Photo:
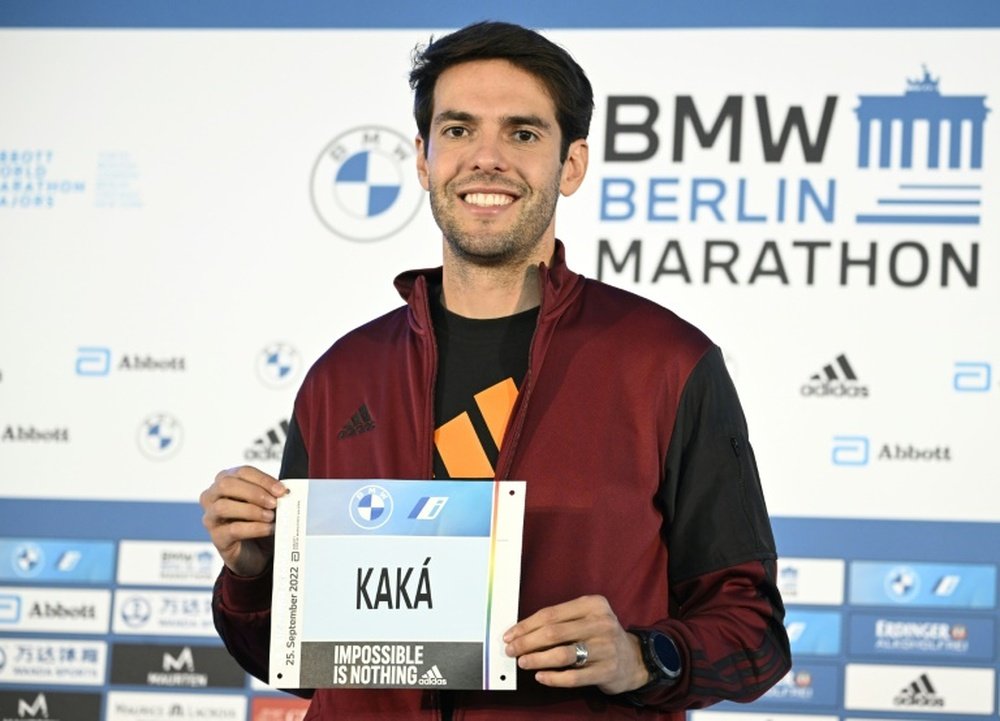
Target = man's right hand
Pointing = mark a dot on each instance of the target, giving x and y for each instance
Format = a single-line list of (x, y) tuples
[(239, 515)]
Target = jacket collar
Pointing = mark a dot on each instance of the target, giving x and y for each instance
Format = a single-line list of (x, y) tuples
[(559, 286)]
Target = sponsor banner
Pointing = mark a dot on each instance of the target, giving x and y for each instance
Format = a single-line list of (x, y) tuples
[(943, 690), (971, 639), (50, 706), (175, 666), (278, 709), (741, 716), (54, 610), (138, 706), (813, 632), (810, 684), (391, 665), (163, 613), (953, 585), (52, 661), (811, 581), (56, 561), (167, 563)]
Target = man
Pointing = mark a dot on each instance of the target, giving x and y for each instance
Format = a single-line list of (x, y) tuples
[(648, 561)]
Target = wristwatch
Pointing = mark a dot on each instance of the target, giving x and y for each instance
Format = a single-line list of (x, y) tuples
[(660, 654)]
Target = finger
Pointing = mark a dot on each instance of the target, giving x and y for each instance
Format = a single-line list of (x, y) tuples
[(561, 612), (571, 678), (232, 534), (255, 476), (557, 657), (227, 510), (551, 636), (239, 489)]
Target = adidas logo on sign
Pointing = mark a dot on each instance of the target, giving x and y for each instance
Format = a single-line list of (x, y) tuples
[(432, 677), (919, 693), (269, 446), (361, 422), (835, 380)]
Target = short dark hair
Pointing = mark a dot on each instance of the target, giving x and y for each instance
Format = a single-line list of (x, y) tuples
[(564, 79)]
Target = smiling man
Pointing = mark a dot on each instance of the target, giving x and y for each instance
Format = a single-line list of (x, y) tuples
[(647, 581)]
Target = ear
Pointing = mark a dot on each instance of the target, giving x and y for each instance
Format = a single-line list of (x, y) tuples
[(575, 166), (422, 170)]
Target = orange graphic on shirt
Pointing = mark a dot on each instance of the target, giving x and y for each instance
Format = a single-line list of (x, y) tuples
[(458, 443)]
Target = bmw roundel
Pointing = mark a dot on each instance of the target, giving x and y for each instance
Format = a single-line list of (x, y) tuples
[(371, 507), (364, 186)]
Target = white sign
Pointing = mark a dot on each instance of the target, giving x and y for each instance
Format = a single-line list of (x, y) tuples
[(55, 610), (167, 563), (919, 689), (396, 584), (163, 613)]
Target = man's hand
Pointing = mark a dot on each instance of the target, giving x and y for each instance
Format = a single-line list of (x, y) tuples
[(239, 515), (547, 640)]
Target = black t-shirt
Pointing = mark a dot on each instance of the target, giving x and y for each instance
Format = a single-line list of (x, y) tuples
[(481, 365)]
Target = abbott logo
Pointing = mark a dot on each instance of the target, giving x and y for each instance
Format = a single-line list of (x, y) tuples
[(850, 451), (93, 361), (972, 377), (39, 708)]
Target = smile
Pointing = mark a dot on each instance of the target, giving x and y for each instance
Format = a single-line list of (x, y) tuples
[(487, 200)]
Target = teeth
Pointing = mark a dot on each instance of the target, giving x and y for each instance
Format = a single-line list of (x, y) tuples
[(488, 199)]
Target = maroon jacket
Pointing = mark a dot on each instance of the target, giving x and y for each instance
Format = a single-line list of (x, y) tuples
[(642, 487)]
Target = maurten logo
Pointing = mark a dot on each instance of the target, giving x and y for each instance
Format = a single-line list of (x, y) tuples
[(371, 507), (363, 184), (39, 708), (920, 692), (835, 380)]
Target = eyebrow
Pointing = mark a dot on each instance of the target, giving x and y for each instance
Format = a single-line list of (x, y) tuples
[(462, 116)]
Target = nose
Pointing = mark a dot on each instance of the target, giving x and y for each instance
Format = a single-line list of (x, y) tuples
[(488, 153)]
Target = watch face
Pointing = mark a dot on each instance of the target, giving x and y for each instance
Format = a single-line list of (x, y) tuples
[(665, 653)]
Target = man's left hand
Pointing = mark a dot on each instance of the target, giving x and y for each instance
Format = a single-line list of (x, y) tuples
[(546, 641)]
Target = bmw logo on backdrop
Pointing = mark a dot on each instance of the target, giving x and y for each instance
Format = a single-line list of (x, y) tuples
[(159, 436), (364, 183)]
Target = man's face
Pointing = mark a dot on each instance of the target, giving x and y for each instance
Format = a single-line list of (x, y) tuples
[(492, 163)]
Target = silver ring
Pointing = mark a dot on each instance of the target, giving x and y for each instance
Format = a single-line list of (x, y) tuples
[(582, 654)]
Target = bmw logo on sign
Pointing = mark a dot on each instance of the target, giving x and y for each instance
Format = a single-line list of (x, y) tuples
[(371, 507), (364, 184)]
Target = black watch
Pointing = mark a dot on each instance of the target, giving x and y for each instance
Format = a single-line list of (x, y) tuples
[(660, 654)]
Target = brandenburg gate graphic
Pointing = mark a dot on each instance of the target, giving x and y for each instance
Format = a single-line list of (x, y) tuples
[(922, 101), (940, 202)]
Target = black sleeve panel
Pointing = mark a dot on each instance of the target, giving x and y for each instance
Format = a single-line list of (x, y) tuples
[(295, 459), (713, 504)]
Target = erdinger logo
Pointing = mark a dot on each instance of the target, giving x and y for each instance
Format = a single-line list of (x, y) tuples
[(364, 186), (159, 436), (371, 507)]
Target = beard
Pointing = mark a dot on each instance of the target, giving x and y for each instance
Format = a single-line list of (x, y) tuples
[(479, 243)]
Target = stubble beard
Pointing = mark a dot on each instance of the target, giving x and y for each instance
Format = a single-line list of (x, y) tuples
[(486, 247)]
